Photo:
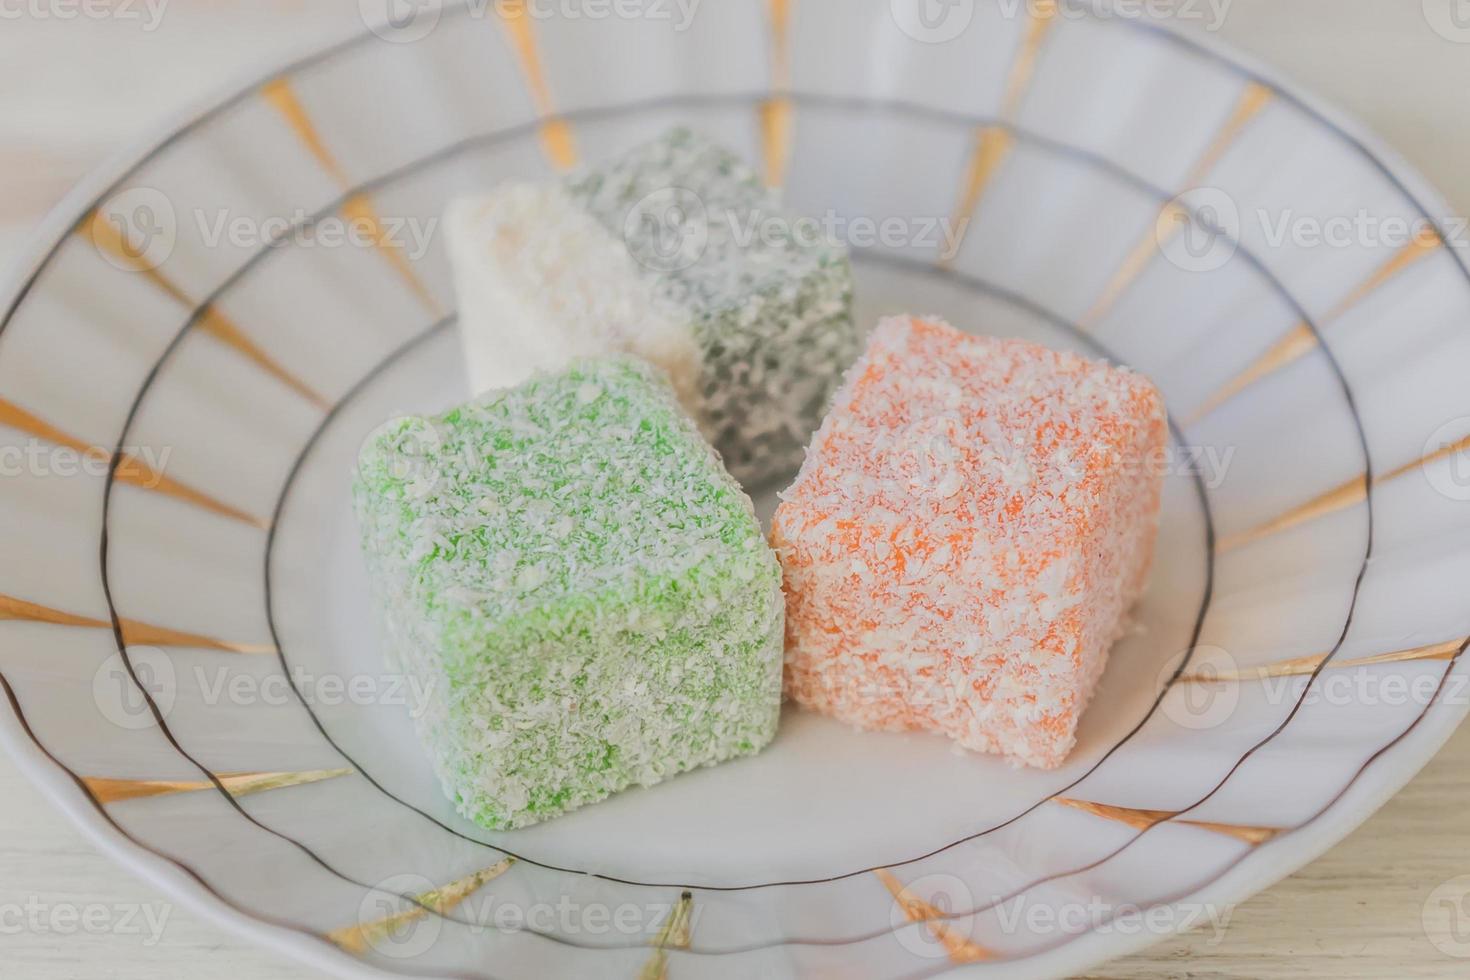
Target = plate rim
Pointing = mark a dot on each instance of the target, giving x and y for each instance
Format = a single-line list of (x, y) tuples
[(1411, 751)]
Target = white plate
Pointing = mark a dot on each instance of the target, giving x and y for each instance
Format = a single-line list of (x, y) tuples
[(213, 564)]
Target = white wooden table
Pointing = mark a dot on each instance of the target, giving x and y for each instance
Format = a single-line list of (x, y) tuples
[(73, 90)]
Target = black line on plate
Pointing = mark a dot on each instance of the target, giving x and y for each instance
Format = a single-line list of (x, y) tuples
[(831, 102), (195, 876), (1152, 29), (394, 357), (1181, 896), (1086, 158), (197, 121), (1003, 294), (1056, 320), (156, 712), (1222, 58), (319, 58)]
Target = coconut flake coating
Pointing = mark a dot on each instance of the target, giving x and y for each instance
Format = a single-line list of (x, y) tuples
[(540, 281), (582, 588), (697, 269), (973, 521)]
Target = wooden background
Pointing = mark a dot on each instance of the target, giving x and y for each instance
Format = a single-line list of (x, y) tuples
[(71, 91)]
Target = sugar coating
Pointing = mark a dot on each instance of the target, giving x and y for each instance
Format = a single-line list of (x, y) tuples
[(746, 307), (973, 521), (582, 588)]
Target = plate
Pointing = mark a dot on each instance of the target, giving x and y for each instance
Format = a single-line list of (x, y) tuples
[(208, 328)]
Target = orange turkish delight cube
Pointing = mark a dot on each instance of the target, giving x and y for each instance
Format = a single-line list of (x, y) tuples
[(974, 520)]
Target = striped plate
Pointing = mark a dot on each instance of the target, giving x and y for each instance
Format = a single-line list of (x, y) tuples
[(208, 329)]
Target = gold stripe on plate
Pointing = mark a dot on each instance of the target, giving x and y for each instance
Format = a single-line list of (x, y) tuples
[(777, 120), (223, 329), (130, 469), (359, 938), (778, 113), (134, 632), (1300, 340), (1042, 17), (280, 95), (1251, 103), (1349, 494), (359, 208), (993, 143), (557, 140), (109, 790), (674, 934), (959, 948), (1304, 666), (108, 238), (1145, 819), (1172, 217)]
